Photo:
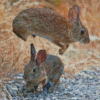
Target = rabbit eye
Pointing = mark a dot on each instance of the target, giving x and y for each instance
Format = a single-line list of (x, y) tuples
[(34, 70), (82, 32)]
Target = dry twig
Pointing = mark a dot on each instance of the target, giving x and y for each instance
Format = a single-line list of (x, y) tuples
[(10, 97)]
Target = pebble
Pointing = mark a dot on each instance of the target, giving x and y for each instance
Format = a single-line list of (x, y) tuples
[(54, 98), (20, 74), (48, 98), (69, 95), (0, 81), (18, 77), (77, 77), (41, 99), (14, 88), (84, 86), (62, 80), (10, 82)]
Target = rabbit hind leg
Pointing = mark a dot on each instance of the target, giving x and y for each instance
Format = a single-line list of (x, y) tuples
[(54, 86)]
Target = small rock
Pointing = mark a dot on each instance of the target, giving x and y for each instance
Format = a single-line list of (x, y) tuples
[(23, 82), (18, 85), (74, 98), (77, 77), (8, 86), (85, 71), (54, 98), (0, 81), (48, 98), (67, 75), (18, 98), (12, 81), (62, 98), (62, 80), (69, 95), (21, 89), (56, 92), (90, 72), (14, 88), (69, 88), (87, 96), (20, 74), (18, 77), (60, 94), (73, 82), (13, 93), (41, 99)]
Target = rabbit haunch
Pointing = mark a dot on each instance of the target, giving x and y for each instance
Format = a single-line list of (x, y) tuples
[(43, 69), (49, 24)]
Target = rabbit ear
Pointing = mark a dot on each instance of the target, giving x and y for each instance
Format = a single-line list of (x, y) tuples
[(33, 52), (41, 56), (73, 13), (76, 8)]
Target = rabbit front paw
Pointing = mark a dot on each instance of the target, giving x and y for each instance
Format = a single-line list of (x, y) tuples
[(31, 88), (61, 51)]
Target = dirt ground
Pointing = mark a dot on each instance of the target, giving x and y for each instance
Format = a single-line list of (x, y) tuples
[(15, 53)]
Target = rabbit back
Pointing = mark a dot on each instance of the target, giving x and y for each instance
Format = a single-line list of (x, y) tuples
[(49, 24), (54, 68), (40, 21)]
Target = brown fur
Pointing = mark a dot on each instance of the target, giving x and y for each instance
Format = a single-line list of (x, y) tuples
[(47, 23), (48, 68)]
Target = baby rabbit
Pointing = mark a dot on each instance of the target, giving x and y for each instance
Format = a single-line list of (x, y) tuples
[(49, 24), (43, 68)]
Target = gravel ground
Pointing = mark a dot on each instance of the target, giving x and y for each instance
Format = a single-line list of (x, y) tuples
[(84, 86)]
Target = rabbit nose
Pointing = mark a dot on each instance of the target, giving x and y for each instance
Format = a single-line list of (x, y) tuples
[(82, 32)]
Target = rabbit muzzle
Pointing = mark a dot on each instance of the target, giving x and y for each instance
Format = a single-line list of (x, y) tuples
[(84, 40)]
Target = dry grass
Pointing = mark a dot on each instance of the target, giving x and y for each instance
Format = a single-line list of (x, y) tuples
[(15, 53)]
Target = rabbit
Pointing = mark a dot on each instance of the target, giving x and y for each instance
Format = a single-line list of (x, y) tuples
[(47, 23), (43, 68)]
